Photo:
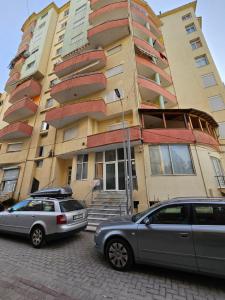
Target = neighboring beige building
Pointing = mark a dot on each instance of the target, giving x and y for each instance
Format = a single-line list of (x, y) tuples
[(61, 118)]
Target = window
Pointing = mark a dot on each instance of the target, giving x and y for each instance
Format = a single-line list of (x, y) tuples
[(49, 102), (209, 80), (44, 126), (48, 206), (219, 172), (82, 166), (190, 28), (9, 180), (114, 71), (111, 96), (34, 205), (39, 163), (222, 130), (175, 214), (35, 50), (81, 8), (14, 147), (53, 82), (61, 37), (216, 103), (58, 51), (187, 17), (209, 214), (69, 134), (201, 61), (78, 24), (69, 175), (70, 205), (21, 206), (66, 13), (77, 40), (171, 160), (30, 65), (63, 25), (41, 25), (99, 165), (117, 126), (40, 151), (114, 50), (196, 43)]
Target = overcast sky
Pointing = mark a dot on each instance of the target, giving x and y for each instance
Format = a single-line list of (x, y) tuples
[(14, 13)]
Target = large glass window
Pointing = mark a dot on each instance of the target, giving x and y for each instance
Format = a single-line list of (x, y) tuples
[(171, 160), (82, 166), (209, 214), (175, 214), (21, 206), (201, 61), (9, 180)]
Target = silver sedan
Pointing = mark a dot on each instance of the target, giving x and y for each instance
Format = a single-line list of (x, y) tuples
[(184, 233)]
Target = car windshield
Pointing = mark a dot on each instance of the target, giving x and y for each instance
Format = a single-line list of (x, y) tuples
[(71, 205), (138, 216)]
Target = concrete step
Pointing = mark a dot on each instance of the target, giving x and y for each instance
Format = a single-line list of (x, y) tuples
[(91, 228), (108, 201), (97, 219), (105, 210), (102, 215), (110, 196)]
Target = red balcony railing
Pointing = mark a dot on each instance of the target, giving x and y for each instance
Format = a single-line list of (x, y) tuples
[(16, 131), (30, 88)]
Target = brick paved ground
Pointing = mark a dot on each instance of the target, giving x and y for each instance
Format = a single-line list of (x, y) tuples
[(71, 269)]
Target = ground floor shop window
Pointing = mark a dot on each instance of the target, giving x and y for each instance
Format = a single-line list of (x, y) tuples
[(82, 166), (171, 160), (9, 180)]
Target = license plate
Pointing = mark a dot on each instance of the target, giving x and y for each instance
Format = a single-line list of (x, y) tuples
[(78, 217)]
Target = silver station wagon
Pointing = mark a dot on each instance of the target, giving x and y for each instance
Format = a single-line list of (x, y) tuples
[(47, 214), (184, 233)]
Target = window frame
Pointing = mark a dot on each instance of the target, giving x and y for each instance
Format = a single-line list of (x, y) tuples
[(193, 214), (189, 26), (196, 42), (201, 58), (82, 163), (187, 16)]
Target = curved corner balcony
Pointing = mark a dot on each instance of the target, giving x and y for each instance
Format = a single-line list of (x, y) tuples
[(148, 69), (142, 18), (150, 91), (29, 88), (146, 48), (78, 86), (20, 110), (16, 131), (63, 116), (112, 137), (110, 12), (97, 4), (10, 84), (107, 33), (95, 59), (144, 33)]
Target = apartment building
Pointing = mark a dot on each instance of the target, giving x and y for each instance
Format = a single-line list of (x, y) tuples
[(62, 120)]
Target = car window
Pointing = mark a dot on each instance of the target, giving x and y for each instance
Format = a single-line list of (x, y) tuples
[(70, 205), (34, 205), (48, 206), (208, 214), (175, 214), (21, 206)]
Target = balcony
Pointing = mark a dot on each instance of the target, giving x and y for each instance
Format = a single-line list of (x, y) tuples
[(10, 84), (63, 116), (148, 69), (110, 12), (147, 49), (16, 131), (94, 59), (150, 91), (112, 137), (20, 110), (143, 18), (30, 88), (97, 4), (78, 86), (178, 126), (107, 33), (144, 33)]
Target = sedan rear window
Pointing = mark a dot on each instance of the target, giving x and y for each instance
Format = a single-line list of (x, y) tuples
[(71, 205)]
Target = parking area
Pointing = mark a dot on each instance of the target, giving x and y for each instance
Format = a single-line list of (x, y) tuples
[(70, 269)]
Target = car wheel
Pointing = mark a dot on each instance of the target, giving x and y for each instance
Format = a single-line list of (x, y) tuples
[(37, 237), (119, 254)]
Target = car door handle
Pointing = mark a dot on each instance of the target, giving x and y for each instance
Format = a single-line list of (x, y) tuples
[(184, 234), (33, 216)]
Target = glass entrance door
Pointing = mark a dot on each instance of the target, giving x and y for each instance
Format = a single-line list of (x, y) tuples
[(110, 176)]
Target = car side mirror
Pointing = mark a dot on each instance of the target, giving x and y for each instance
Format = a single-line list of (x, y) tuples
[(10, 210), (147, 221)]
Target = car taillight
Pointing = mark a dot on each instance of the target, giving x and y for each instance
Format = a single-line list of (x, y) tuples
[(61, 219)]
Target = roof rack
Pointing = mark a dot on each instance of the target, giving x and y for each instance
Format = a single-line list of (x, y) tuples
[(57, 192)]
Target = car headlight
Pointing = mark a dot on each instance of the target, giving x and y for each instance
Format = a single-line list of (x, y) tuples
[(98, 230)]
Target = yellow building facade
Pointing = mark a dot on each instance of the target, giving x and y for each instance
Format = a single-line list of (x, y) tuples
[(78, 69)]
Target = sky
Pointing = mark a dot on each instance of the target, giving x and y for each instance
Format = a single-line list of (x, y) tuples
[(15, 12)]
